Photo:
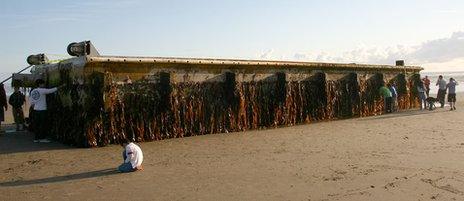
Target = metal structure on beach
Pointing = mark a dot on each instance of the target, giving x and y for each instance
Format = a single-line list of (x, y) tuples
[(109, 98)]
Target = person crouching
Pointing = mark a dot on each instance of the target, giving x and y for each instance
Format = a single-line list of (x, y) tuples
[(132, 156)]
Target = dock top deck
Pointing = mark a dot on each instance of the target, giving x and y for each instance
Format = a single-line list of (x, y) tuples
[(242, 62)]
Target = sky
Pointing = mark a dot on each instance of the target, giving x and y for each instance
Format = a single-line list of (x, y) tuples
[(428, 33)]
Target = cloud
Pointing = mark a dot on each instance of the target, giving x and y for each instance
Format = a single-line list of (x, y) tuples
[(266, 54), (453, 65), (440, 50), (436, 51), (301, 56)]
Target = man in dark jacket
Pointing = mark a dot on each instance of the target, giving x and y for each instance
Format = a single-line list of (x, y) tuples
[(17, 100)]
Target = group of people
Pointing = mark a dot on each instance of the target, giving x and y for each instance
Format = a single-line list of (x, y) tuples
[(38, 109), (423, 89), (132, 154), (390, 94), (16, 100)]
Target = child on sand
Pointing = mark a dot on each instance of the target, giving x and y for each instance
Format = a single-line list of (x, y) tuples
[(133, 157)]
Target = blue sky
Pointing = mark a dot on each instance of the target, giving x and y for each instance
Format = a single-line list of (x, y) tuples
[(424, 32)]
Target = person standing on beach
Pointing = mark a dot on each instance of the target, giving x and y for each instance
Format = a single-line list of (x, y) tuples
[(394, 97), (132, 156), (426, 82), (422, 97), (4, 105), (38, 99), (17, 100), (451, 86), (441, 83), (387, 97)]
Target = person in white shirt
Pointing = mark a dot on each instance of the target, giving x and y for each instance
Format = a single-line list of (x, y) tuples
[(38, 99), (132, 156), (441, 83)]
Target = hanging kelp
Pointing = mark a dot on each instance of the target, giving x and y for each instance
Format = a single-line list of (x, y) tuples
[(102, 110)]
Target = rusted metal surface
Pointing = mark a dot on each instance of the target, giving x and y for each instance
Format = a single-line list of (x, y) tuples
[(237, 63)]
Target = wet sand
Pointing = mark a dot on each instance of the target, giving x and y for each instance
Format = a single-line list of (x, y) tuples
[(412, 155)]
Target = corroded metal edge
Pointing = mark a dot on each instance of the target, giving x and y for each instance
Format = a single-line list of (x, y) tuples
[(204, 62)]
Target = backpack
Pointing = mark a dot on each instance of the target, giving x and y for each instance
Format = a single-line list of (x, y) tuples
[(16, 99)]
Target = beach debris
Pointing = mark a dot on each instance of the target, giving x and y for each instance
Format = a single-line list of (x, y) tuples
[(110, 98)]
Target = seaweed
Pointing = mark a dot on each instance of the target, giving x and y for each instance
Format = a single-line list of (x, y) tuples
[(102, 111)]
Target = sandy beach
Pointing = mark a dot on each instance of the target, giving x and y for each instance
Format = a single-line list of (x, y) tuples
[(411, 155)]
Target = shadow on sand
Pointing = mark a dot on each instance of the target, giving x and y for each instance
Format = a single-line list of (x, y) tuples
[(17, 142), (403, 114), (78, 176)]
